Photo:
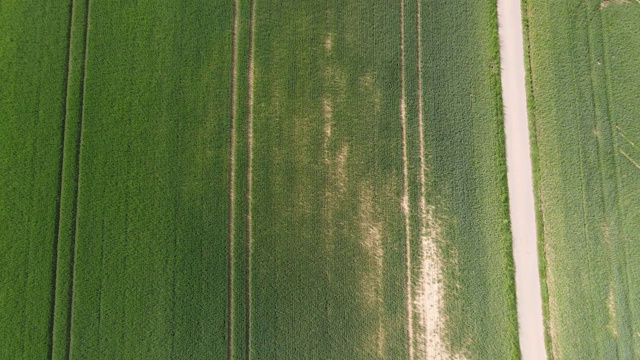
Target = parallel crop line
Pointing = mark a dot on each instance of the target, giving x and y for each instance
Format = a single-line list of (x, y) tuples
[(583, 203), (56, 234), (423, 201), (232, 175), (78, 163), (599, 149), (600, 166), (618, 184), (405, 186), (423, 204), (583, 206), (429, 273), (249, 176)]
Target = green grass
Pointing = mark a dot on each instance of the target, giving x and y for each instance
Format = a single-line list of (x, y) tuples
[(582, 73), (33, 51)]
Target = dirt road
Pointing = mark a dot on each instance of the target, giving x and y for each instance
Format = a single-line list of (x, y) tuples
[(523, 222)]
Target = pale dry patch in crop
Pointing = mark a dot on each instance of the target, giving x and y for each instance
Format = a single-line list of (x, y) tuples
[(404, 205), (429, 302), (328, 42), (327, 110), (371, 241), (551, 290), (553, 334), (547, 253), (340, 169), (611, 305), (371, 230), (327, 115), (405, 170), (336, 163), (428, 305), (328, 130)]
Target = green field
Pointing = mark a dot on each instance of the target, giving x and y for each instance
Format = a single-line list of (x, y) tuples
[(584, 108), (255, 179), (33, 62)]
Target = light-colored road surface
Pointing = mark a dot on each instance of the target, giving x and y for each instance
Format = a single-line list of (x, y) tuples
[(523, 222)]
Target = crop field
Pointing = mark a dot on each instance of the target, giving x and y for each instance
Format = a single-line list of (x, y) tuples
[(32, 76), (255, 179), (584, 109)]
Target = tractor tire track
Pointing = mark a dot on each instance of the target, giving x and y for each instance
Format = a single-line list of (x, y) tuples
[(405, 188), (56, 233), (232, 175), (249, 229), (430, 293), (77, 177)]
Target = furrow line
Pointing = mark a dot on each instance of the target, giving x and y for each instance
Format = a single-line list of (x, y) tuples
[(424, 298), (405, 188), (583, 191), (430, 294), (423, 204), (249, 175), (77, 178), (599, 148), (56, 233), (232, 175)]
